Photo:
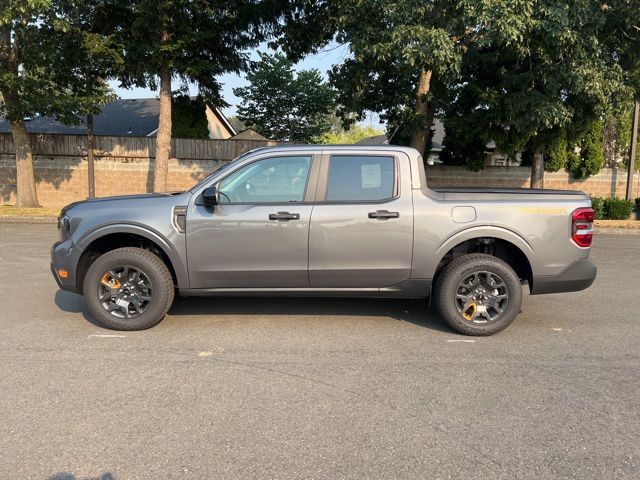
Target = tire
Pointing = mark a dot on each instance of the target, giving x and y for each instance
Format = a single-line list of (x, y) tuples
[(149, 299), (467, 303)]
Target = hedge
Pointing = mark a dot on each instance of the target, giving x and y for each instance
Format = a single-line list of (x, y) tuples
[(598, 207), (617, 208), (613, 208)]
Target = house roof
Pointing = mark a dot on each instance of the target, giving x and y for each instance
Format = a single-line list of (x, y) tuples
[(248, 134), (120, 118)]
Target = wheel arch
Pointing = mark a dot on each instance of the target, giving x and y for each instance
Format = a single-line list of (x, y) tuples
[(495, 241), (105, 239)]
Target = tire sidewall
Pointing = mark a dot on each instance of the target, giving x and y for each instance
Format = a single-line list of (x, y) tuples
[(116, 258)]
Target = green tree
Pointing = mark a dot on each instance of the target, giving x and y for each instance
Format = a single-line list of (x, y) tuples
[(556, 156), (404, 53), (40, 74), (284, 105), (346, 137), (193, 41), (616, 140), (558, 75), (189, 117), (514, 72), (463, 145), (238, 124), (591, 157)]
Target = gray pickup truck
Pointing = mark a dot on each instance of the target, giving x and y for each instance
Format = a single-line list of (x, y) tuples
[(325, 221)]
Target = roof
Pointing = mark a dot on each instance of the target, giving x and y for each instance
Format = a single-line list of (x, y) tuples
[(248, 134), (375, 140), (120, 118)]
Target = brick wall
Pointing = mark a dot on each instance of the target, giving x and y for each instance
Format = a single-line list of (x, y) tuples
[(607, 183), (63, 179)]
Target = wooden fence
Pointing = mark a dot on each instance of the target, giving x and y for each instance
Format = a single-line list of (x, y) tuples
[(133, 147)]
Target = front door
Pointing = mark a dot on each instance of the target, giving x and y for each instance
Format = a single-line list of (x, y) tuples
[(362, 225), (257, 236)]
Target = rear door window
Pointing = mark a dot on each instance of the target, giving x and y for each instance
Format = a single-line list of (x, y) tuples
[(360, 178)]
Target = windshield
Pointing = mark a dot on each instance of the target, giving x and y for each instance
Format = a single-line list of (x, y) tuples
[(222, 169)]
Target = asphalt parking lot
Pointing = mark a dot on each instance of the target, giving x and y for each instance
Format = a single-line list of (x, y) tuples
[(304, 388)]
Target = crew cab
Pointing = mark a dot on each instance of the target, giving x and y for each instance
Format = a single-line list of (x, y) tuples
[(326, 221)]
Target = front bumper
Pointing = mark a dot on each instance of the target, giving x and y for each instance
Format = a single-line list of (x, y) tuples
[(65, 255), (577, 276)]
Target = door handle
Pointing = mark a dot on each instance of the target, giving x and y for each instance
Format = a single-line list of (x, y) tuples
[(383, 214), (284, 216)]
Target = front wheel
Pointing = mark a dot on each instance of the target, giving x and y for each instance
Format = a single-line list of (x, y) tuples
[(478, 294), (128, 289)]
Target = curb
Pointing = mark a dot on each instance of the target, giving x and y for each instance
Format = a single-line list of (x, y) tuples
[(50, 220), (617, 231)]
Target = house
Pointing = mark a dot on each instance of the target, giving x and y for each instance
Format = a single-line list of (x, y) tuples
[(125, 118)]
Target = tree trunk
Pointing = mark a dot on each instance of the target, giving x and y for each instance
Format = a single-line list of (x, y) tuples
[(163, 137), (421, 134), (26, 195), (537, 170)]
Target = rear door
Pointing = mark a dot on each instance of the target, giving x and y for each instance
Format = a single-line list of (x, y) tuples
[(361, 231)]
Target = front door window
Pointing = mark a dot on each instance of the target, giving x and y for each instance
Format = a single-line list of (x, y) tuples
[(272, 180)]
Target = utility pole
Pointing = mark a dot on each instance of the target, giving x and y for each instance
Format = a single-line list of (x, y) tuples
[(634, 149)]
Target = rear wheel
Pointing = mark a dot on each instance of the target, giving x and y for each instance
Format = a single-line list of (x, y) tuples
[(128, 289), (478, 294)]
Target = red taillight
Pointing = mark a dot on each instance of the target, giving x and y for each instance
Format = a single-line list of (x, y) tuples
[(582, 226)]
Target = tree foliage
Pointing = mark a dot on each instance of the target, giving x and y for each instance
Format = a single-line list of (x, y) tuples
[(403, 53), (514, 72), (284, 105), (189, 117), (463, 146), (352, 135), (556, 154), (591, 157), (42, 63)]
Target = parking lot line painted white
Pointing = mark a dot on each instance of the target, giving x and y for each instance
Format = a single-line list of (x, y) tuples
[(461, 341), (107, 336)]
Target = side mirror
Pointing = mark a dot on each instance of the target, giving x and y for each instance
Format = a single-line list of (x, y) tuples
[(210, 197)]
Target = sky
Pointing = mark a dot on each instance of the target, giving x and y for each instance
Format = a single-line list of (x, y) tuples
[(322, 61)]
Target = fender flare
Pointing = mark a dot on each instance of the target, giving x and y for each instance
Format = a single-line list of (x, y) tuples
[(486, 231), (174, 257)]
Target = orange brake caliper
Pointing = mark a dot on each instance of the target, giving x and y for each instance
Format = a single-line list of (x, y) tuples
[(470, 312), (110, 282)]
